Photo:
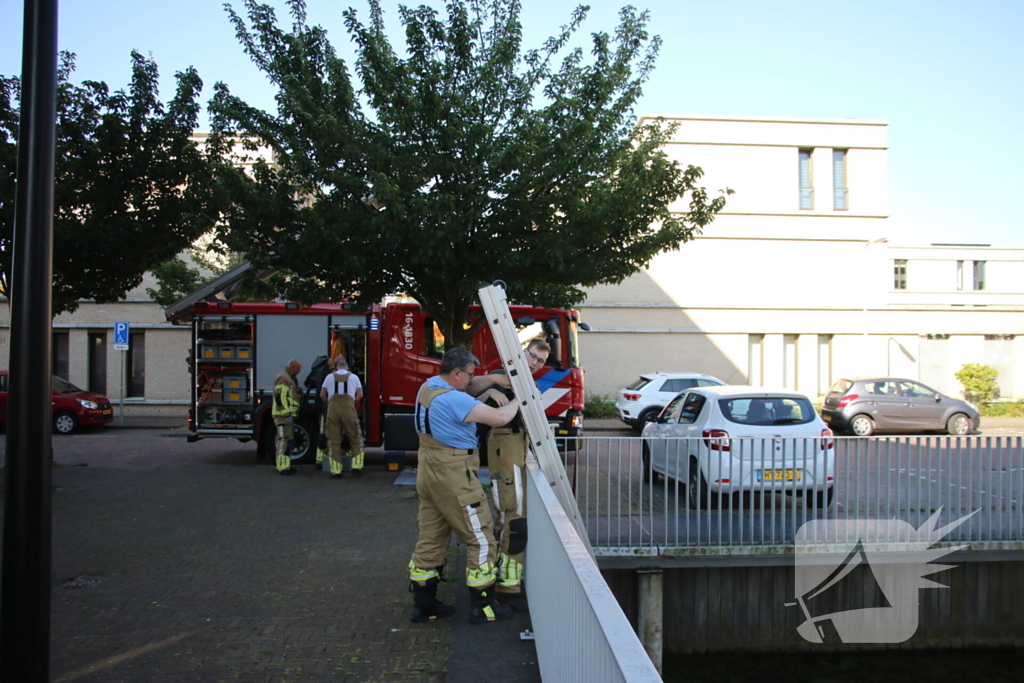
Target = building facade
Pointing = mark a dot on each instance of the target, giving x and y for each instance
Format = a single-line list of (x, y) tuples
[(796, 284)]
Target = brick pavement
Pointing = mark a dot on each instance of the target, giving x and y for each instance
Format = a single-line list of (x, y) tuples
[(218, 570)]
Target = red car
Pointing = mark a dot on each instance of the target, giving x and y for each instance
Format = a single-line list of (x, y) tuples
[(72, 407)]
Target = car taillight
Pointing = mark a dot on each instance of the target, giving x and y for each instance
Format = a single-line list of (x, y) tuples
[(716, 439), (848, 399), (826, 438), (631, 397)]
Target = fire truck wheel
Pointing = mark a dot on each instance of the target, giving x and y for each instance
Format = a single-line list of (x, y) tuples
[(304, 445)]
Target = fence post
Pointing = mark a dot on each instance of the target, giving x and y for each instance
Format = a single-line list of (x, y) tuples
[(651, 621)]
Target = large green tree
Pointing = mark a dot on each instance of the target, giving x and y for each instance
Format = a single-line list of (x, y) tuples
[(132, 189), (461, 160)]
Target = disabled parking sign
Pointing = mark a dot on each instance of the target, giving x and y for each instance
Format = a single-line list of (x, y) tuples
[(121, 336)]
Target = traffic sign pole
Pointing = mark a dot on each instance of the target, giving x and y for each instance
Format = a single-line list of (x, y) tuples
[(121, 342)]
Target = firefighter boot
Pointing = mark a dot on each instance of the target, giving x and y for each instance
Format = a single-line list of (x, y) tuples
[(425, 605), (484, 608)]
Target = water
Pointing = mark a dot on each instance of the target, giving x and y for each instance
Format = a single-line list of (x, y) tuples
[(930, 666)]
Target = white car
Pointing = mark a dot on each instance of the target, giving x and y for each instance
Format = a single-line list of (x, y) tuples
[(720, 441), (644, 399)]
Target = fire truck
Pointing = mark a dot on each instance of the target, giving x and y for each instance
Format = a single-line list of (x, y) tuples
[(239, 348)]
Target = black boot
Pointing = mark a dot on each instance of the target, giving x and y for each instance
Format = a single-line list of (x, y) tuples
[(425, 605), (517, 601), (484, 608)]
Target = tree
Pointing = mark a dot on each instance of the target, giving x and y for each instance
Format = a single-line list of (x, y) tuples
[(466, 161), (979, 382), (132, 189)]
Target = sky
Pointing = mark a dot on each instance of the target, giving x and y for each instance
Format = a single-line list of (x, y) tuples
[(945, 74)]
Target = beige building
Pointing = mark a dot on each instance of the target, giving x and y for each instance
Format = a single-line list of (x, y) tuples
[(796, 284)]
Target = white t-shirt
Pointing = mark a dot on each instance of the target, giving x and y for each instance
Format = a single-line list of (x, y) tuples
[(353, 384)]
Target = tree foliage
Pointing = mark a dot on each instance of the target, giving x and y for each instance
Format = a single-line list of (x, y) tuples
[(979, 382), (132, 189), (461, 160)]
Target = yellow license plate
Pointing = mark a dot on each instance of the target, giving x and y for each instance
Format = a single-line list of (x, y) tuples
[(108, 411), (779, 475)]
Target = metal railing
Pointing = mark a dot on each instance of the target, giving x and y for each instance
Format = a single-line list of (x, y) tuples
[(683, 496), (580, 632)]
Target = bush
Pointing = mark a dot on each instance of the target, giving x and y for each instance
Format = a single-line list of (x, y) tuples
[(599, 408), (979, 382), (1002, 410)]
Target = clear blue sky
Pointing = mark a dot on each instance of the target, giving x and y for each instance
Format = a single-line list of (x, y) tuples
[(945, 74)]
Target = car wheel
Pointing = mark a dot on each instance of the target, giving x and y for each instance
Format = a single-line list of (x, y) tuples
[(647, 417), (958, 425), (822, 499), (697, 495), (64, 422), (862, 425)]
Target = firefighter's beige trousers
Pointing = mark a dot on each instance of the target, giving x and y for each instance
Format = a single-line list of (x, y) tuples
[(285, 433), (506, 458), (342, 419), (452, 499)]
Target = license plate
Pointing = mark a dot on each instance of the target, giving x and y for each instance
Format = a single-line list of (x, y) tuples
[(779, 475), (108, 411)]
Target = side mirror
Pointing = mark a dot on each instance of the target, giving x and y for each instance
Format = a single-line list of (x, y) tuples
[(585, 327), (938, 398)]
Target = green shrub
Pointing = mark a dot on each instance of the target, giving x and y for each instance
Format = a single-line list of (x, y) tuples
[(1002, 410), (979, 382), (599, 408)]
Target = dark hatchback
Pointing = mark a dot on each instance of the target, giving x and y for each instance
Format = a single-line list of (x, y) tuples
[(892, 404), (72, 407)]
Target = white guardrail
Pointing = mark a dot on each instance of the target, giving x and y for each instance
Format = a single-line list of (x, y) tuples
[(685, 496), (580, 632)]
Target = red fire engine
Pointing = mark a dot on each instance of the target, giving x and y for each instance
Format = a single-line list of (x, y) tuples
[(238, 349)]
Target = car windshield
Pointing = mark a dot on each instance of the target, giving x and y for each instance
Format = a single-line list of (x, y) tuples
[(63, 386), (767, 411)]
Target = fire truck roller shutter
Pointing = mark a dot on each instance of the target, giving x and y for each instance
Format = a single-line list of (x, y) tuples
[(279, 338)]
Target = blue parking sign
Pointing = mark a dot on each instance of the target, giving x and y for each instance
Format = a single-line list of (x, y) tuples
[(121, 336)]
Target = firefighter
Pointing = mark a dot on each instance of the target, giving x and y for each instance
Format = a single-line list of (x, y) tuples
[(451, 497), (341, 391), (507, 446), (286, 406)]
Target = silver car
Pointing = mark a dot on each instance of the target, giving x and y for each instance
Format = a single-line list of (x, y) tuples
[(893, 404)]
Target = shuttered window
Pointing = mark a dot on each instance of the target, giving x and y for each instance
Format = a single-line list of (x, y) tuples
[(841, 195), (806, 189)]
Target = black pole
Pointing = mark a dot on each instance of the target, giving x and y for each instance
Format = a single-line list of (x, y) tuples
[(25, 616)]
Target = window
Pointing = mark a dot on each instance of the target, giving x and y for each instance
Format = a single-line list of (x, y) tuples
[(59, 354), (677, 385), (899, 273), (98, 362), (691, 408), (841, 195), (959, 275), (806, 188), (979, 275), (136, 365), (671, 411)]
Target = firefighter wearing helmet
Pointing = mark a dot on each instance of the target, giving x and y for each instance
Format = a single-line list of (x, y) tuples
[(286, 406), (450, 494)]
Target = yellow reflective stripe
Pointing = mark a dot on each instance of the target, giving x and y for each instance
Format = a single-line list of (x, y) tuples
[(335, 466), (357, 461), (481, 576), (421, 575), (510, 571)]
